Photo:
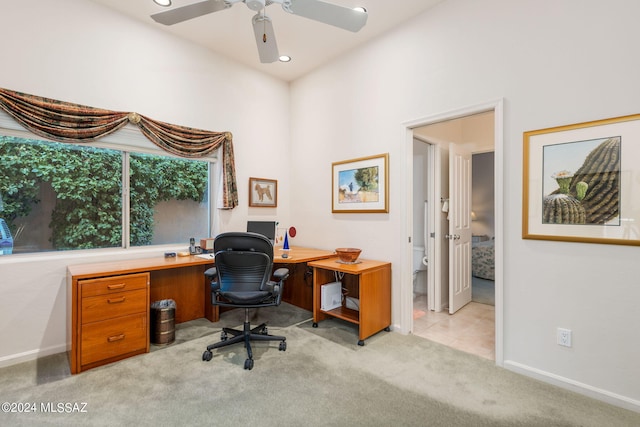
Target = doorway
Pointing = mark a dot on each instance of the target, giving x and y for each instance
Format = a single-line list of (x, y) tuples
[(479, 130)]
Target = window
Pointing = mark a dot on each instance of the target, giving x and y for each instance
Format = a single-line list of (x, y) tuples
[(60, 196), (169, 200)]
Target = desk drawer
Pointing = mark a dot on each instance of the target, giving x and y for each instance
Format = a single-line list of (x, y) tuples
[(109, 285), (114, 337), (103, 307)]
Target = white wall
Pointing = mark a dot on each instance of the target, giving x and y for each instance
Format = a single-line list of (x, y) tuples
[(553, 63), (80, 52)]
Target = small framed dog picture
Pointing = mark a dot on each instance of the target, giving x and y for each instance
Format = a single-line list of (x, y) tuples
[(263, 193)]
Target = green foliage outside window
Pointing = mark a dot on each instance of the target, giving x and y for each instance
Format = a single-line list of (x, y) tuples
[(87, 182), (156, 179)]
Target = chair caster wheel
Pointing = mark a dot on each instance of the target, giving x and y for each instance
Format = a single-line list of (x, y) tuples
[(223, 336), (283, 346), (265, 331), (361, 342), (248, 364), (207, 355), (314, 324)]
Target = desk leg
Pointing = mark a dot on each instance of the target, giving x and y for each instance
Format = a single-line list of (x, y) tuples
[(320, 277), (211, 312)]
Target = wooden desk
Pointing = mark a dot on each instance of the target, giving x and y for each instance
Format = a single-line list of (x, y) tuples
[(298, 289), (133, 284), (110, 304), (369, 281), (165, 273)]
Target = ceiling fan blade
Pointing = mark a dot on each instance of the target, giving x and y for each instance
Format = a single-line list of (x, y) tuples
[(265, 39), (184, 13), (338, 16)]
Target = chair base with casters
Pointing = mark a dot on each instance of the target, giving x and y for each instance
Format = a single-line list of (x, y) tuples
[(242, 278), (259, 333)]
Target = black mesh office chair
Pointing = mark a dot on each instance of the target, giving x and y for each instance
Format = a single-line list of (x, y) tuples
[(242, 278)]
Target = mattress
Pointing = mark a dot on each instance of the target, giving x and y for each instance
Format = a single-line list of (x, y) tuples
[(483, 260)]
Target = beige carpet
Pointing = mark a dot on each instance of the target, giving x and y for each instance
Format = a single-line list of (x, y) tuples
[(323, 379)]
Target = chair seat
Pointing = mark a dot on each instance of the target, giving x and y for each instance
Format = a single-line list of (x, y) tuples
[(253, 297)]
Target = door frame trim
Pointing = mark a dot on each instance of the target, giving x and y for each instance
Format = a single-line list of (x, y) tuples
[(406, 292)]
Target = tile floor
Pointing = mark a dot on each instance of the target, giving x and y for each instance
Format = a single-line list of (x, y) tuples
[(471, 329)]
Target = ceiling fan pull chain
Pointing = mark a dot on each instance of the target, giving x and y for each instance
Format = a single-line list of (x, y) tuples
[(264, 26)]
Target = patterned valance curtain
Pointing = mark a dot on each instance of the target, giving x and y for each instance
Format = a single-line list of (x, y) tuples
[(67, 122)]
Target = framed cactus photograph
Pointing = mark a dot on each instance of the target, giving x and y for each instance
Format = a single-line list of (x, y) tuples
[(581, 182)]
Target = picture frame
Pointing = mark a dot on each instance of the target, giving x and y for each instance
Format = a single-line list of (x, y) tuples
[(361, 185), (263, 193), (580, 182)]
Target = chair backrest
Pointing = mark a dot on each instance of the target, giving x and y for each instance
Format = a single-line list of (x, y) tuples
[(239, 241), (244, 261)]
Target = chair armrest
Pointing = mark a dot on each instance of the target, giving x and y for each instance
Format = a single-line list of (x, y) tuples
[(215, 287), (281, 274), (211, 273)]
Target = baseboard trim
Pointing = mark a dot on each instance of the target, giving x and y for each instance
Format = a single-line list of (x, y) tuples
[(14, 359), (576, 386)]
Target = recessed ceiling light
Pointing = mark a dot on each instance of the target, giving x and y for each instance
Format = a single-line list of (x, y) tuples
[(164, 3), (284, 58), (360, 9)]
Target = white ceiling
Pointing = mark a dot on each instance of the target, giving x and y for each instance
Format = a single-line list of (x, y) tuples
[(311, 44)]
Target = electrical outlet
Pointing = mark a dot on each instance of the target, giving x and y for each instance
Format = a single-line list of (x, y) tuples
[(564, 337)]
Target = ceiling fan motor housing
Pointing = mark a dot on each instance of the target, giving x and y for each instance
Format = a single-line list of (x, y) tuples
[(255, 4)]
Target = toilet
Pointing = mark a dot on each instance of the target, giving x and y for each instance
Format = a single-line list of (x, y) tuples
[(419, 271)]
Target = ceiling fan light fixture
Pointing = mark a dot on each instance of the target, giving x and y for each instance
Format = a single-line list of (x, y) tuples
[(163, 3)]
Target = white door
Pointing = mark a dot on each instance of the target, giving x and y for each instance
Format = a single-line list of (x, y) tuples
[(459, 228), (434, 291)]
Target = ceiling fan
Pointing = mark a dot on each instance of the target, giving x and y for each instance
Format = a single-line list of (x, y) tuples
[(327, 13)]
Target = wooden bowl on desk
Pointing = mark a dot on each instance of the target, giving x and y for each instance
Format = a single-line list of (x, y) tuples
[(348, 255)]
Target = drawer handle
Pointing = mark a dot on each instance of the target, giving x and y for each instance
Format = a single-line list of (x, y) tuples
[(116, 300), (115, 338), (117, 286)]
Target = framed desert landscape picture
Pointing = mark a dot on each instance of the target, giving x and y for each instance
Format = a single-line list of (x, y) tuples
[(361, 185)]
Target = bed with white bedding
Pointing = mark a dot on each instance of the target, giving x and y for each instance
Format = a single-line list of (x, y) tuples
[(483, 259)]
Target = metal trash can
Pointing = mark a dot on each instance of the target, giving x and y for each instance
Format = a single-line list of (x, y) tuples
[(163, 315)]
